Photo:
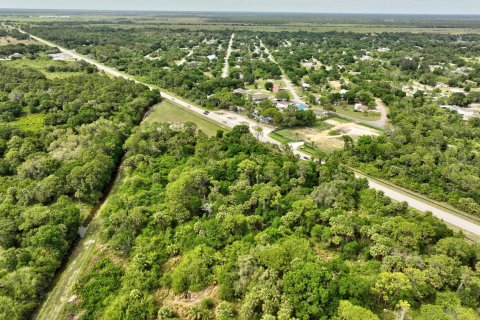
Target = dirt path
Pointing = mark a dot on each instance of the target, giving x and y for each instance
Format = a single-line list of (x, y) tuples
[(227, 57), (181, 62), (285, 79), (81, 256)]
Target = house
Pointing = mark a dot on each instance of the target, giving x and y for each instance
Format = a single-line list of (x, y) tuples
[(441, 85), (241, 91), (193, 64), (277, 88), (257, 97), (212, 57), (466, 113), (358, 107), (59, 56), (283, 104), (305, 85)]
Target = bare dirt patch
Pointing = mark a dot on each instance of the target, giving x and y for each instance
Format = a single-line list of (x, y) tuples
[(336, 85), (182, 303), (352, 129)]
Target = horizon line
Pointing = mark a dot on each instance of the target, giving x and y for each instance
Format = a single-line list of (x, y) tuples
[(239, 12)]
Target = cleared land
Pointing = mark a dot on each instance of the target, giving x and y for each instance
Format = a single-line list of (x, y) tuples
[(326, 135), (168, 112), (32, 122)]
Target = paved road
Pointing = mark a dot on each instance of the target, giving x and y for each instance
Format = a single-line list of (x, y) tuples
[(423, 206), (227, 57), (232, 119), (381, 123)]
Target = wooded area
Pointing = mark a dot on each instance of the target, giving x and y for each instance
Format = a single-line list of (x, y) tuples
[(259, 234), (52, 174)]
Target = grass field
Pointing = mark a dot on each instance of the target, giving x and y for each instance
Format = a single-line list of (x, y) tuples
[(168, 112), (32, 122), (348, 110), (294, 134)]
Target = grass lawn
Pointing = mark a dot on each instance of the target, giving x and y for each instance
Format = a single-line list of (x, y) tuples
[(261, 84), (280, 137), (32, 122), (168, 112), (349, 111)]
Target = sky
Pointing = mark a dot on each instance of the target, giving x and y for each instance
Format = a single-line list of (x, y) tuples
[(311, 6)]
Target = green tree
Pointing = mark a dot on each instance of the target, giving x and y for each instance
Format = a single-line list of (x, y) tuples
[(308, 287), (348, 311), (268, 86)]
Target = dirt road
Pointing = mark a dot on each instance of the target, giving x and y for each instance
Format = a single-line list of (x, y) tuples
[(288, 83), (227, 57)]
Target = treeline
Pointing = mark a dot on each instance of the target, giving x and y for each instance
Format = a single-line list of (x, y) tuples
[(28, 50), (231, 228), (80, 66), (50, 176)]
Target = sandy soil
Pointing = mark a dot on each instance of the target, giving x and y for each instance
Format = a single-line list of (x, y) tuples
[(351, 129), (336, 85)]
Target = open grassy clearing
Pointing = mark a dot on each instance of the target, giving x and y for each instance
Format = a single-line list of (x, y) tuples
[(32, 122), (168, 112), (348, 110)]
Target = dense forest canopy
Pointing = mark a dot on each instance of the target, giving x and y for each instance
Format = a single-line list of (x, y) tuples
[(230, 228)]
